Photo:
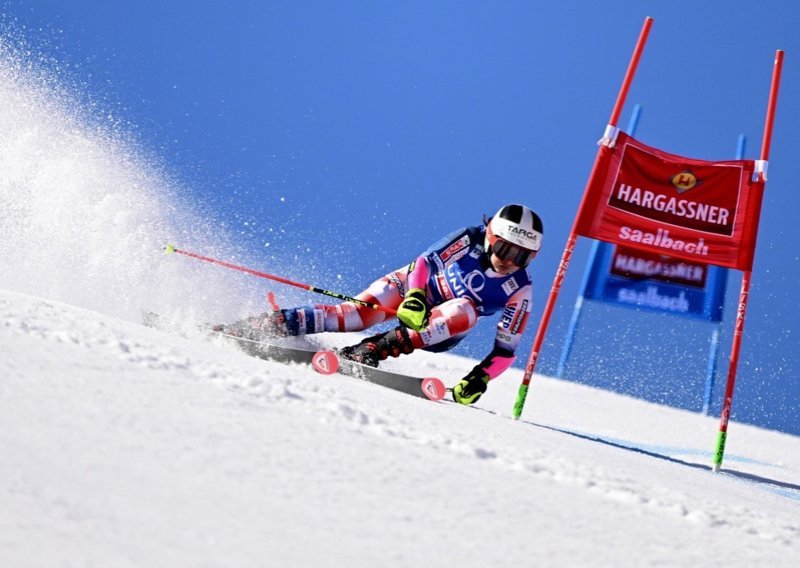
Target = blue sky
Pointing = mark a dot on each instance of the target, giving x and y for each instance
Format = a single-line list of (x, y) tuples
[(339, 139)]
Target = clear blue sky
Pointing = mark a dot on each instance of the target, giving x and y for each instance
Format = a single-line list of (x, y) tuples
[(354, 133)]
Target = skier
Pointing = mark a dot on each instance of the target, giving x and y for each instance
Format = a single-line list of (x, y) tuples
[(472, 273)]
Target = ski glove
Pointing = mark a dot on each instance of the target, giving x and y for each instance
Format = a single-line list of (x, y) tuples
[(413, 311), (471, 387)]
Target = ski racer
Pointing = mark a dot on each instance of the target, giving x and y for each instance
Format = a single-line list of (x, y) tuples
[(471, 273)]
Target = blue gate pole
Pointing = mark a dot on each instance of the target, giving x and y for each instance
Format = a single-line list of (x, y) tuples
[(713, 356), (576, 312)]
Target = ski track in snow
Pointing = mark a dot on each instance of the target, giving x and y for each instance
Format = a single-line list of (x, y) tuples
[(431, 426)]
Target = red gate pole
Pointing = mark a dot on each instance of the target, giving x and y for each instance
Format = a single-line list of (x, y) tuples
[(738, 329), (606, 143)]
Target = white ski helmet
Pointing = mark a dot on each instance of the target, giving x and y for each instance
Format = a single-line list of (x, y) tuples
[(514, 232)]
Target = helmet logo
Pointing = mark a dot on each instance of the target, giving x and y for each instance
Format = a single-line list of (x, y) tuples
[(519, 231)]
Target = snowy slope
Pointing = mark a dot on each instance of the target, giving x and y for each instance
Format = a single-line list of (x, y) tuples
[(127, 446), (123, 446)]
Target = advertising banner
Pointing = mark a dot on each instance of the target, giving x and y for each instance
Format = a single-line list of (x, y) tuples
[(643, 280), (694, 210)]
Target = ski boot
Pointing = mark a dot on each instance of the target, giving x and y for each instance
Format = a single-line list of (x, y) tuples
[(269, 325), (375, 349)]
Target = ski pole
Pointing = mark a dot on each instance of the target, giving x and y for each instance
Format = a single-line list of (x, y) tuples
[(170, 249)]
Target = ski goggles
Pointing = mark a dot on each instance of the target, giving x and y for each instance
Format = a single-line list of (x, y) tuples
[(506, 251)]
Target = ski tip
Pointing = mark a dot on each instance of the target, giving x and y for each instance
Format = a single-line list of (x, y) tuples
[(433, 388), (325, 362)]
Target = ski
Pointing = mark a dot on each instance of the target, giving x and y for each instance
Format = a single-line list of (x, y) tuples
[(270, 351), (325, 362), (328, 362), (266, 351)]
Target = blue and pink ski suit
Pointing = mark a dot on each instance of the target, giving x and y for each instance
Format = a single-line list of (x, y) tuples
[(460, 286)]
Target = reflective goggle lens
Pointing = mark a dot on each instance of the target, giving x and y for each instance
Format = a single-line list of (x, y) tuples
[(505, 251)]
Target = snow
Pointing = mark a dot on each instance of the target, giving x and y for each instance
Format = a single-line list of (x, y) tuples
[(129, 446)]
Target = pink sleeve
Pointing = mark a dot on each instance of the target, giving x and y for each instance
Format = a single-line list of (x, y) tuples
[(418, 275), (497, 365)]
